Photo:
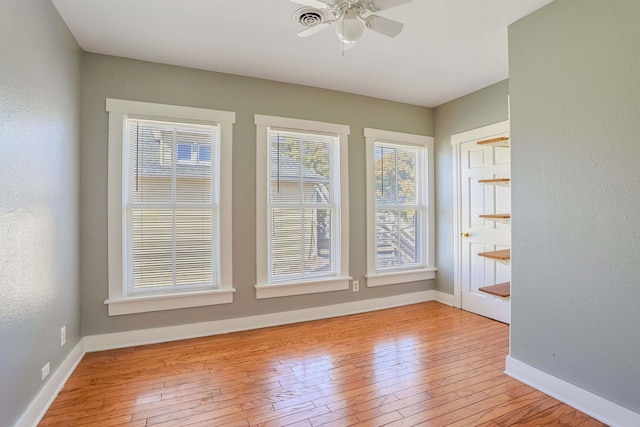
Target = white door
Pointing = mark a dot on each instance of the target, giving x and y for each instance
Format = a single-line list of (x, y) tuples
[(475, 234)]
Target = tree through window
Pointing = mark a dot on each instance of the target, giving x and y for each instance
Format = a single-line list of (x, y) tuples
[(302, 205), (302, 188), (399, 207)]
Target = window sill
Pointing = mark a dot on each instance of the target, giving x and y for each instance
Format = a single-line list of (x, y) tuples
[(396, 277), (275, 290), (147, 303)]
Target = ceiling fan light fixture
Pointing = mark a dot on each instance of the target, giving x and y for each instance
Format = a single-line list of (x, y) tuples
[(350, 28), (349, 17)]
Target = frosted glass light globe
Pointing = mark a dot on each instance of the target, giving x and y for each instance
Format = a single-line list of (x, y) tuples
[(350, 28)]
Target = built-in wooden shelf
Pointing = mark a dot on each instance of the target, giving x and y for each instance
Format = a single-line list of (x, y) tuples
[(502, 290), (502, 141), (505, 218), (503, 255), (504, 182)]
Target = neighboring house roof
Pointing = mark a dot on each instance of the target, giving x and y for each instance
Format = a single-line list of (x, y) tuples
[(151, 163), (285, 169), (151, 159), (152, 166)]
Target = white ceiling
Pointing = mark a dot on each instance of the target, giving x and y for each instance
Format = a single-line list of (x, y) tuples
[(448, 48)]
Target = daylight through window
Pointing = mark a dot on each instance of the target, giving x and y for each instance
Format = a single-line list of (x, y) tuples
[(171, 206), (400, 208), (400, 219), (302, 209), (302, 205)]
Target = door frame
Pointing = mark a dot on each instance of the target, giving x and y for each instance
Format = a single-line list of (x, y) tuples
[(456, 141)]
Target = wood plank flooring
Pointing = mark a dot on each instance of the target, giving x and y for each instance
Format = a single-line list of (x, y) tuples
[(425, 364)]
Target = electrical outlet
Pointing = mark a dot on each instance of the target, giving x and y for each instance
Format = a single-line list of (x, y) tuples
[(45, 371), (356, 286), (63, 335)]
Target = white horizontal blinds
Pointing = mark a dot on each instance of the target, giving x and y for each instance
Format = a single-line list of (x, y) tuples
[(195, 233), (302, 205), (171, 206), (400, 205)]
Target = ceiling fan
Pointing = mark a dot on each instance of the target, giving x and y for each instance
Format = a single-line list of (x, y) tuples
[(350, 17)]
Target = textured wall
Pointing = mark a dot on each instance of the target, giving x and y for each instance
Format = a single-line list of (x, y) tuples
[(575, 109), (480, 108), (111, 77), (39, 137)]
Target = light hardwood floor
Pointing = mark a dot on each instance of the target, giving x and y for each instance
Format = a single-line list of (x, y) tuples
[(423, 364)]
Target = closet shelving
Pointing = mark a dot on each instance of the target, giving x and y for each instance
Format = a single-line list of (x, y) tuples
[(503, 182), (501, 290), (503, 255), (502, 141), (504, 218)]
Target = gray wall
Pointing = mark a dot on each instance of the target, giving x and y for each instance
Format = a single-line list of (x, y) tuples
[(111, 77), (39, 138), (481, 108), (575, 126)]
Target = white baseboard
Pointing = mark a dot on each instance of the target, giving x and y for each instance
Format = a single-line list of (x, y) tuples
[(591, 404), (443, 298), (195, 330), (457, 298), (45, 397)]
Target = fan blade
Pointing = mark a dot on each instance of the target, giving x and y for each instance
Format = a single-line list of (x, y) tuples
[(387, 4), (315, 29), (385, 26), (318, 4)]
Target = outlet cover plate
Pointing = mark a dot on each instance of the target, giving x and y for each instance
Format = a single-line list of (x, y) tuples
[(45, 371)]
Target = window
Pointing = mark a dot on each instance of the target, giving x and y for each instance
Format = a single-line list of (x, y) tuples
[(400, 245), (193, 152), (204, 153), (302, 214), (169, 221), (184, 152)]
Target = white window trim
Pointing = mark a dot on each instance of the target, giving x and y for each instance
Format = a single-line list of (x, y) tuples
[(119, 302), (375, 278), (317, 285)]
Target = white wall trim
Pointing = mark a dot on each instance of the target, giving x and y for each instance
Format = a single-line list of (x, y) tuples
[(47, 394), (396, 277), (591, 404), (120, 301), (443, 298), (426, 201), (263, 216), (169, 111), (275, 290), (481, 132), (300, 124), (149, 302), (457, 297), (195, 330)]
